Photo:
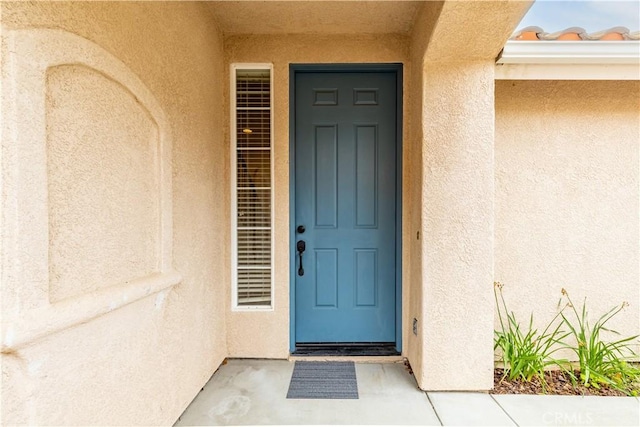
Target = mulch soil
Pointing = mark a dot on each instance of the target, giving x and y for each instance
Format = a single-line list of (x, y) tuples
[(558, 382)]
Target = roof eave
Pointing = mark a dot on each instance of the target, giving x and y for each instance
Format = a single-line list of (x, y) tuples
[(570, 52)]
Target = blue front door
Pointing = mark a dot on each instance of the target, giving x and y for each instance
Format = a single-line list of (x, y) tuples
[(345, 207)]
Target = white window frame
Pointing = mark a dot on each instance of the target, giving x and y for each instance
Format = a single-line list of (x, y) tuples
[(234, 210)]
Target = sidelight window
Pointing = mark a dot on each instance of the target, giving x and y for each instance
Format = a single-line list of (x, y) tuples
[(252, 185)]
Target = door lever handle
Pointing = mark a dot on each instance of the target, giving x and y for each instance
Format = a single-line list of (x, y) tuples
[(301, 246)]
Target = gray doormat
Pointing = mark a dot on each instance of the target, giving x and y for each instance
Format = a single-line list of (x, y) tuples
[(323, 380)]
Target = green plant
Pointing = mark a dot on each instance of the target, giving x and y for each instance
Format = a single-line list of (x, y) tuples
[(526, 353), (602, 362)]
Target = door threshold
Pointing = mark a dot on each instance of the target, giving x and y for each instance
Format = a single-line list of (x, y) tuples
[(356, 359), (346, 349)]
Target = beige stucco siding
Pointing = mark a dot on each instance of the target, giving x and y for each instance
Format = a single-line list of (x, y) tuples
[(567, 196), (453, 153), (413, 345), (457, 226), (115, 219), (266, 334), (118, 156)]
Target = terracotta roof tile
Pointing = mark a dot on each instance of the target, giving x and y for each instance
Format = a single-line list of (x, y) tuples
[(576, 33)]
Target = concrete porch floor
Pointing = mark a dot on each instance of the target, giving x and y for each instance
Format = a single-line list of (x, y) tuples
[(253, 392)]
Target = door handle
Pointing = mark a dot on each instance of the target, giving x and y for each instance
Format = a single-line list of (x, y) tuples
[(301, 246)]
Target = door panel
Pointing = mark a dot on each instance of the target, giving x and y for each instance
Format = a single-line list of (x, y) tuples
[(345, 185)]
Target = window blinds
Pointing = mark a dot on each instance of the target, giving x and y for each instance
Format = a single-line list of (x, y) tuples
[(253, 187)]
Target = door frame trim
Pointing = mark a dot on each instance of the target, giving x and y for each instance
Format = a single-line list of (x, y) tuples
[(396, 68)]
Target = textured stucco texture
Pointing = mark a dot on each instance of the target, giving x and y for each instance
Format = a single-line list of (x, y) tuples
[(451, 191), (346, 18), (412, 174), (141, 363), (471, 30), (98, 241), (457, 226), (568, 197), (531, 183)]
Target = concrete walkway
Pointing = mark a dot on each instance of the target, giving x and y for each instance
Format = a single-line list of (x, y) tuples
[(253, 392)]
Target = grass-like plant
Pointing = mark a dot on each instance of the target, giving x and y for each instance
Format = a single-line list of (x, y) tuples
[(526, 353), (600, 361)]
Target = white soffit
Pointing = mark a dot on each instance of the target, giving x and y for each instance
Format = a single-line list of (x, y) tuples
[(569, 60)]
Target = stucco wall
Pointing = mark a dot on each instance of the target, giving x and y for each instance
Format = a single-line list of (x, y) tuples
[(266, 334), (412, 255), (567, 196), (453, 131), (122, 194), (457, 226), (413, 288), (115, 232)]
